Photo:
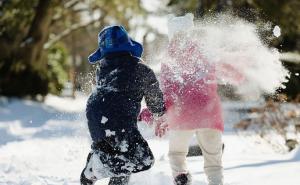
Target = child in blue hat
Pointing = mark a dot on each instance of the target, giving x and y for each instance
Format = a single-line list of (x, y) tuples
[(118, 148)]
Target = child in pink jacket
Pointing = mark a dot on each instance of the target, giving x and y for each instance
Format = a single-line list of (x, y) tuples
[(189, 84)]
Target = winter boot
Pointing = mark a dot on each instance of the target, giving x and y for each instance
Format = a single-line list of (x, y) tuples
[(84, 180), (183, 179), (119, 180)]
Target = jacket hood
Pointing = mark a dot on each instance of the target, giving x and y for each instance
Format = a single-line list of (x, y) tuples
[(179, 24)]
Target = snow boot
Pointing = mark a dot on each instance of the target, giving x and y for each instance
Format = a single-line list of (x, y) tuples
[(183, 179), (119, 180), (84, 180)]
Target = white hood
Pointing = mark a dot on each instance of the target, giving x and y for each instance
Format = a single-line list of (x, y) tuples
[(179, 24)]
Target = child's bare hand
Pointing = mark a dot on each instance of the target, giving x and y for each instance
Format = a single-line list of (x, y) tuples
[(146, 116)]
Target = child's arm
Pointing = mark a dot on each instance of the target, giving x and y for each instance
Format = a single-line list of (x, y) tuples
[(153, 94), (230, 74), (169, 86), (146, 115)]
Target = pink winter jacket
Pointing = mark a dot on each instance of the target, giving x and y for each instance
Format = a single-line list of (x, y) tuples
[(190, 89), (189, 84)]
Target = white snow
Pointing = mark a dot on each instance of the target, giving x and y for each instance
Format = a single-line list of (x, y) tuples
[(124, 146), (109, 133), (47, 144), (224, 40), (277, 31), (104, 120)]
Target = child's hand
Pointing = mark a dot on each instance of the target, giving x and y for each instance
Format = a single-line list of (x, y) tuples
[(146, 116), (161, 127)]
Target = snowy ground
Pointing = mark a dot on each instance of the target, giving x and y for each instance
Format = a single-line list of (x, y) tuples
[(47, 144)]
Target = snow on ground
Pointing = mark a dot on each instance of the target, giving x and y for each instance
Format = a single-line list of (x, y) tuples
[(47, 144)]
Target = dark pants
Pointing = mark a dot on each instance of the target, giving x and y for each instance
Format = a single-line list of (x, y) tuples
[(121, 155)]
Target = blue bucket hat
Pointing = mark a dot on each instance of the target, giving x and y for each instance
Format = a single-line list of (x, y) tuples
[(115, 39)]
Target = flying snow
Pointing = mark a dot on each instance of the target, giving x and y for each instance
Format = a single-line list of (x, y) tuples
[(239, 55), (277, 31)]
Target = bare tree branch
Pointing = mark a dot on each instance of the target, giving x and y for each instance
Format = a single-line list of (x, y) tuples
[(58, 17), (70, 30), (67, 7), (71, 3)]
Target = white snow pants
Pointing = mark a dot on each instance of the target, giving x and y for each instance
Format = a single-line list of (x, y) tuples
[(210, 142)]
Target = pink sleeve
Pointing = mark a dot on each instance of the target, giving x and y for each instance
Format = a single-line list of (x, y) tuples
[(230, 74), (169, 86)]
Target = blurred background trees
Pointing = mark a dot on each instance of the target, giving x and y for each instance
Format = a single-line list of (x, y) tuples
[(286, 14), (38, 36), (44, 43)]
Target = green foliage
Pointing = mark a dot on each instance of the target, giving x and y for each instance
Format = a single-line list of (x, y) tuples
[(57, 68), (19, 75), (16, 16), (119, 11), (198, 7), (25, 82), (284, 13), (27, 67)]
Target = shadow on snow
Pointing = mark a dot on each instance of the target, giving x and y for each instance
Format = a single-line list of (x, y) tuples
[(20, 119)]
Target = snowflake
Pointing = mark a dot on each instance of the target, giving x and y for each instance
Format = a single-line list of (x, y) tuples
[(109, 133), (104, 120)]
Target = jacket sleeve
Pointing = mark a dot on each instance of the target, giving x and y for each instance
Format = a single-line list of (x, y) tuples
[(152, 93), (169, 87)]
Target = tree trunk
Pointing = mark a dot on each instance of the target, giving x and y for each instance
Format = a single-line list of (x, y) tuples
[(38, 34), (222, 5), (74, 59), (25, 72), (215, 5), (202, 4)]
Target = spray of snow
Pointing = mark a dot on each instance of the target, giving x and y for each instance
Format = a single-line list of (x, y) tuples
[(99, 169), (277, 31), (234, 47)]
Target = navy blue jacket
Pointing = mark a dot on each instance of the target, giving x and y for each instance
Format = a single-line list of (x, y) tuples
[(114, 106)]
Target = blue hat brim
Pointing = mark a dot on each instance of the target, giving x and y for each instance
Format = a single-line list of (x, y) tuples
[(136, 50), (95, 57)]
